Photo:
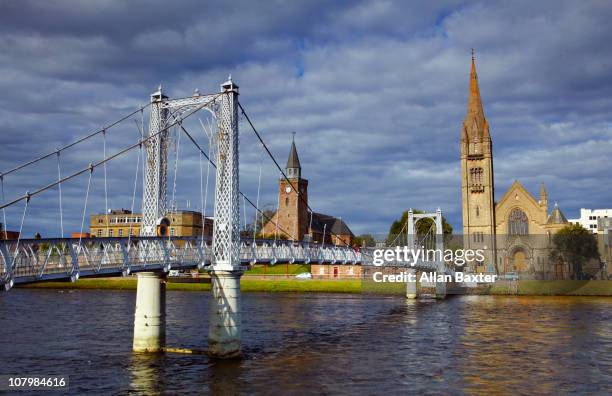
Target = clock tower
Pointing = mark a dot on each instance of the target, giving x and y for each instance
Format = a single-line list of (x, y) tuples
[(292, 215)]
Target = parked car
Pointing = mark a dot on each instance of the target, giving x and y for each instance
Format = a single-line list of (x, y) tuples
[(174, 273), (509, 276), (304, 275)]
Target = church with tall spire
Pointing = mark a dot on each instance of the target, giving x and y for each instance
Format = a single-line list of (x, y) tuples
[(515, 230), (293, 219)]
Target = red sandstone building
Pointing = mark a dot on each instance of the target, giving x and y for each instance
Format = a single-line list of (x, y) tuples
[(5, 234), (295, 221)]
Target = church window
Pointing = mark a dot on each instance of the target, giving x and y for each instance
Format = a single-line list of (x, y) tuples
[(476, 176), (476, 179), (286, 201), (518, 223), (477, 210)]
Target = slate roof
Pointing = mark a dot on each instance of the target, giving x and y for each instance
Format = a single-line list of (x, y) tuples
[(335, 225), (293, 161), (556, 216)]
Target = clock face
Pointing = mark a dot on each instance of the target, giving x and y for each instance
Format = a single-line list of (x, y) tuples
[(287, 189)]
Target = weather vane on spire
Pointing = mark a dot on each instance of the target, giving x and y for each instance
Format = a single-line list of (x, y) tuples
[(293, 136), (473, 56)]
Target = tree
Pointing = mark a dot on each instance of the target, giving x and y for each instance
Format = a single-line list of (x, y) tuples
[(398, 229), (575, 245), (260, 220), (367, 238)]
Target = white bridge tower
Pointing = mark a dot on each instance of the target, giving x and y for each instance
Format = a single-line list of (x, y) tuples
[(225, 317)]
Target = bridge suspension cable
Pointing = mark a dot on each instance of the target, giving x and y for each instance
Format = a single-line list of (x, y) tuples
[(176, 162), (23, 216), (204, 195), (258, 188), (180, 124), (91, 169), (134, 191), (107, 159), (300, 197), (399, 233), (69, 145), (3, 209), (59, 177), (105, 184)]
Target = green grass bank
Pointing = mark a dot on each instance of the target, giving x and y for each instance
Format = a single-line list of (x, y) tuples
[(246, 285), (522, 288)]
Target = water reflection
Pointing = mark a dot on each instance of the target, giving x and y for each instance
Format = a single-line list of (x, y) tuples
[(319, 343), (145, 373), (531, 344)]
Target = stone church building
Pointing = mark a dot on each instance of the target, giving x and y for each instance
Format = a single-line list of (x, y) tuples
[(295, 221), (515, 231)]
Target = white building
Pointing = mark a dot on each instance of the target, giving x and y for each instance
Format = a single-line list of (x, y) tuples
[(588, 218)]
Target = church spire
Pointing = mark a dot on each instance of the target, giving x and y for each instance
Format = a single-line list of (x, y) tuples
[(475, 122), (293, 168), (543, 195)]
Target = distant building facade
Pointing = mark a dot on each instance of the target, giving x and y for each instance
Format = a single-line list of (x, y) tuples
[(589, 218), (293, 220), (335, 271), (123, 223), (604, 243), (515, 232)]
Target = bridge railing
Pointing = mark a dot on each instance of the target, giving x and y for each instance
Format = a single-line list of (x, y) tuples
[(30, 260), (282, 251)]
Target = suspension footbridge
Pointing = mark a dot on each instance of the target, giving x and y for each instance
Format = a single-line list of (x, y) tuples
[(152, 254)]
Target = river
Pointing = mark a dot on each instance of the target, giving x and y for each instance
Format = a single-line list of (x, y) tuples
[(317, 344)]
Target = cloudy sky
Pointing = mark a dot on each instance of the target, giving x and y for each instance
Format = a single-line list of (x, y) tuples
[(376, 92)]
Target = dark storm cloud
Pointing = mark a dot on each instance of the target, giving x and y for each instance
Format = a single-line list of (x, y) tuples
[(376, 91)]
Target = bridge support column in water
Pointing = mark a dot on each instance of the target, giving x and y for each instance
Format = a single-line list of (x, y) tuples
[(440, 290), (411, 287), (150, 313), (224, 329)]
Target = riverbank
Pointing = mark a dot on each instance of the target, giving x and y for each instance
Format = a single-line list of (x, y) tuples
[(246, 285), (255, 284)]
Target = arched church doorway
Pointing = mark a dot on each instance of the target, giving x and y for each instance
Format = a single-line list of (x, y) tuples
[(519, 261)]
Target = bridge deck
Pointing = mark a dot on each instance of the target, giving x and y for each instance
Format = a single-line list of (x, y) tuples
[(31, 260)]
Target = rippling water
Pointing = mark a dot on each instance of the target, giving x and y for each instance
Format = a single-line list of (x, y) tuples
[(318, 343)]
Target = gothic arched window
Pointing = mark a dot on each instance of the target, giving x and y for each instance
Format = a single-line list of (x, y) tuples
[(518, 224), (476, 176)]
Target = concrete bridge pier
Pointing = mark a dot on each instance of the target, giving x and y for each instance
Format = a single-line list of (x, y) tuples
[(440, 290), (150, 313), (224, 328), (411, 287), (440, 286)]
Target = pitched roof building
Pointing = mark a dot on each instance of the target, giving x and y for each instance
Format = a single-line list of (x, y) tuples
[(515, 231), (293, 219)]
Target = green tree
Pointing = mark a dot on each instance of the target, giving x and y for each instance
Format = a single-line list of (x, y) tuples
[(367, 238), (260, 219), (574, 245), (398, 229)]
